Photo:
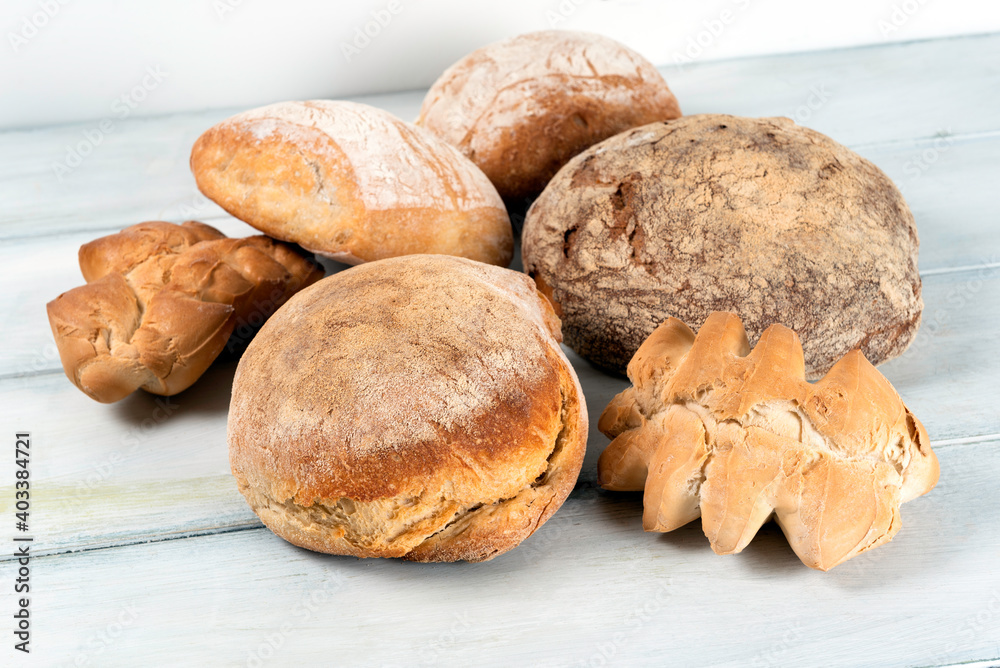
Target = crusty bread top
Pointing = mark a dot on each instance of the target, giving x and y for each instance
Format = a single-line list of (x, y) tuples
[(713, 429), (420, 372), (521, 107), (759, 216), (351, 182), (389, 157), (528, 68)]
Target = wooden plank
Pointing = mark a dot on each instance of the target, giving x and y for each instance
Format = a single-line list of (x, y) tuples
[(949, 374), (139, 170), (946, 181), (858, 96), (589, 588)]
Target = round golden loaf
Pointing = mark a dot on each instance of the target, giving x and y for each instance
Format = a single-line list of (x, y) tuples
[(522, 107), (761, 217), (417, 407), (351, 182)]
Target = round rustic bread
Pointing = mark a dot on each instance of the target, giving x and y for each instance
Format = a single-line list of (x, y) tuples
[(417, 407), (761, 217), (522, 107), (351, 182)]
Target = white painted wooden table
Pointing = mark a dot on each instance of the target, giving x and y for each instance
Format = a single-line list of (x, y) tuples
[(145, 553)]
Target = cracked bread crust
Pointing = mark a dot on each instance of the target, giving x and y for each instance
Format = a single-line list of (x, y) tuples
[(736, 437), (761, 217), (351, 182), (418, 407), (520, 108)]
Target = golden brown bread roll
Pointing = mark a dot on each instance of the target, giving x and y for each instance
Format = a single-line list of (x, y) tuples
[(759, 216), (417, 407), (161, 301), (351, 182), (522, 107), (712, 429)]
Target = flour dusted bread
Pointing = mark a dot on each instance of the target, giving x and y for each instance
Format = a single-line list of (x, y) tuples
[(713, 429), (351, 182), (416, 407), (162, 300), (758, 216), (522, 107)]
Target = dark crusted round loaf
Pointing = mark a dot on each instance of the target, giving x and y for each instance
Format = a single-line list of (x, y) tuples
[(415, 407), (761, 217)]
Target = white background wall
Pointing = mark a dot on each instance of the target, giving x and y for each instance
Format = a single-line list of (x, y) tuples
[(76, 60)]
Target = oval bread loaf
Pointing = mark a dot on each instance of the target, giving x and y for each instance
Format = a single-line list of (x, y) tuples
[(522, 107), (761, 217), (351, 182), (417, 407)]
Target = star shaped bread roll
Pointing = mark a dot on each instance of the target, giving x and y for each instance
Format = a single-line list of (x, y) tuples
[(737, 437)]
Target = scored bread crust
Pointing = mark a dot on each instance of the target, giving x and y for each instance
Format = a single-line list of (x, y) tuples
[(162, 300), (759, 216), (351, 182), (417, 407), (736, 437), (520, 108)]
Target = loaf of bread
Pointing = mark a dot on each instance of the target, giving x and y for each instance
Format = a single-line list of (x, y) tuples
[(416, 407), (772, 221), (161, 301), (351, 182), (522, 107), (711, 429)]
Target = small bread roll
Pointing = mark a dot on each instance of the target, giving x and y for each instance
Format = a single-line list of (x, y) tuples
[(418, 407), (162, 301), (522, 107), (351, 182), (758, 216), (713, 429)]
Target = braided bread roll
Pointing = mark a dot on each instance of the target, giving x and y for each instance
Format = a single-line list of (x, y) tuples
[(162, 300)]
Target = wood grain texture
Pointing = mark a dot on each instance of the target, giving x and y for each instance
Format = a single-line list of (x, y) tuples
[(590, 583), (137, 507)]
